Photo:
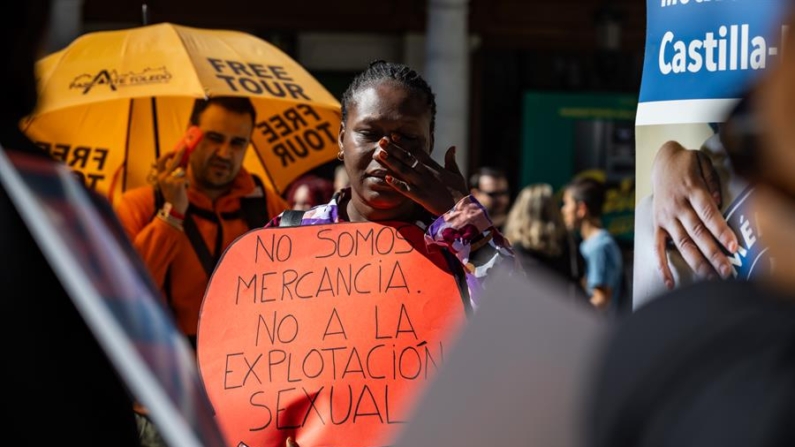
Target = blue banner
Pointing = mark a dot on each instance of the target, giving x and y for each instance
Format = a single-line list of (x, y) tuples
[(709, 49), (752, 259)]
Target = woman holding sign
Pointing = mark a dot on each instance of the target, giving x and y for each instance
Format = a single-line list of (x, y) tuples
[(329, 331), (385, 140)]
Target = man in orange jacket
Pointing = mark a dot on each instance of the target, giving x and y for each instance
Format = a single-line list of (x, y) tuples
[(199, 203), (183, 222)]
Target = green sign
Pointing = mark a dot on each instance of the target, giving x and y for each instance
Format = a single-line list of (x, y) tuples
[(570, 134)]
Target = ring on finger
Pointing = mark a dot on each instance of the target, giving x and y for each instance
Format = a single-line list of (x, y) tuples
[(416, 162)]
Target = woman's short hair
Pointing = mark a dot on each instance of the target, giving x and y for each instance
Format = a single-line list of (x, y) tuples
[(236, 104), (380, 71), (589, 191), (320, 189)]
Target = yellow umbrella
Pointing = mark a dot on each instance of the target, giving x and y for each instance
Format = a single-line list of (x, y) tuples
[(111, 102)]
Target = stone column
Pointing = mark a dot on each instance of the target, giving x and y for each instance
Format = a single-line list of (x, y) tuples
[(447, 71), (66, 23)]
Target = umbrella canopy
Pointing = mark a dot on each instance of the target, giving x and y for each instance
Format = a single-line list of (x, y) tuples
[(113, 101)]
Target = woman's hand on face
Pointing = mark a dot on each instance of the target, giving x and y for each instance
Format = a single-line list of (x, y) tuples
[(686, 200), (419, 177)]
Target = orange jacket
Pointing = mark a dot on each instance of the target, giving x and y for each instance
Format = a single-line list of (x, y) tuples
[(167, 251)]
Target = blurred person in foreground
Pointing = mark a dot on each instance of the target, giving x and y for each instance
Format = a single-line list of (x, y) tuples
[(539, 236), (583, 201), (82, 399), (490, 187), (713, 364)]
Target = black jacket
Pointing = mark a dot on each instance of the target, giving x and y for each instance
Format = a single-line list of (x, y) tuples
[(62, 389), (712, 364)]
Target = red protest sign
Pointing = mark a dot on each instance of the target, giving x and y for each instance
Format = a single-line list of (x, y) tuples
[(325, 333)]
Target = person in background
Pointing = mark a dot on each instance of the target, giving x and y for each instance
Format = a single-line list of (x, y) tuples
[(307, 191), (204, 206), (182, 224), (341, 179), (539, 236), (583, 200), (490, 187), (58, 364)]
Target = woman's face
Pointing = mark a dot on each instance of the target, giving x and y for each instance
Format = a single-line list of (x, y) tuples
[(569, 211), (302, 198), (385, 109)]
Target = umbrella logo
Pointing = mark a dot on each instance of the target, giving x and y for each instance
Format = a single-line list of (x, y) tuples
[(112, 100), (113, 80)]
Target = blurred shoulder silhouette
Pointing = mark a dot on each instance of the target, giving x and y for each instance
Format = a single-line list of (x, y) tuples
[(65, 390), (713, 364)]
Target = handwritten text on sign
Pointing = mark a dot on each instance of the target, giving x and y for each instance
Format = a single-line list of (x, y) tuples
[(325, 333)]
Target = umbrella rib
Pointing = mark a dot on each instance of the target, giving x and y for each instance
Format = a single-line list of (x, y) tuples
[(155, 126), (265, 167), (127, 144), (174, 29)]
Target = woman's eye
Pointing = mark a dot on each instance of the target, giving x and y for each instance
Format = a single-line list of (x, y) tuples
[(372, 136)]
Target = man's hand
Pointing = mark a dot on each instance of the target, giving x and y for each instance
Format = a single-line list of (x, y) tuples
[(171, 180)]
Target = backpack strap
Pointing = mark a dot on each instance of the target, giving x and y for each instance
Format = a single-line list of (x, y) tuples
[(254, 209), (255, 206), (207, 260), (460, 279), (291, 218)]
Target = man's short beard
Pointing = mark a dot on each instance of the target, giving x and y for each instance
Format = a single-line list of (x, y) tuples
[(203, 183)]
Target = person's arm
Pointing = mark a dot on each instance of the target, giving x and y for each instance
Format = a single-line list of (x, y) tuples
[(596, 279), (601, 296), (465, 229), (467, 232), (155, 240), (156, 237), (686, 200)]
